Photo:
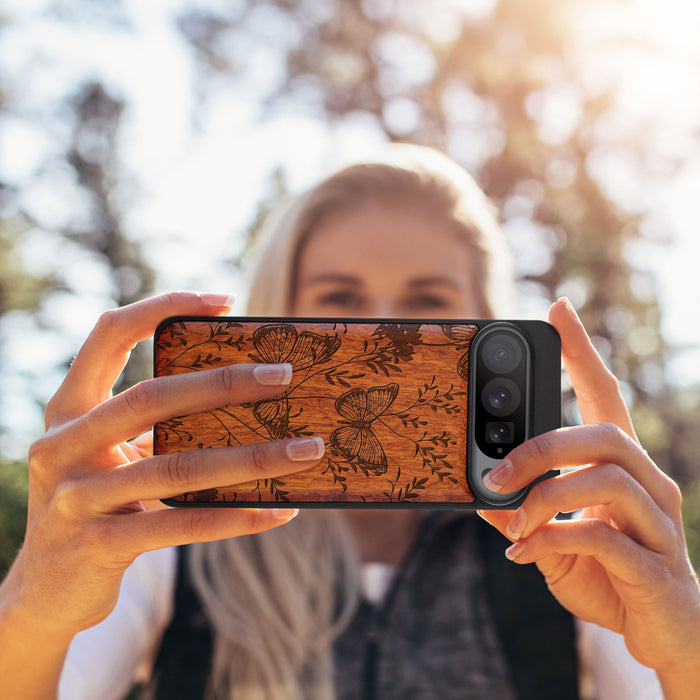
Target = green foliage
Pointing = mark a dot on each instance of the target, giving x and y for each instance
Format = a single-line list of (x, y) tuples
[(14, 484), (18, 289), (691, 521)]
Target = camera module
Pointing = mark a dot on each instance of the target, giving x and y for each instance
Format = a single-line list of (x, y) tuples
[(501, 391), (505, 358)]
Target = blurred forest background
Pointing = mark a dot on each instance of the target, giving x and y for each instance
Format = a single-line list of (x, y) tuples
[(580, 119)]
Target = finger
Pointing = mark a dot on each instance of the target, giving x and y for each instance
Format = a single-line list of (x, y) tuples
[(156, 529), (497, 518), (143, 444), (131, 452), (614, 550), (606, 486), (102, 357), (582, 444), (138, 448), (165, 476), (138, 408), (596, 388)]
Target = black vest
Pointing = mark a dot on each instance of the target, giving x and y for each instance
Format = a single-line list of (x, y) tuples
[(420, 644)]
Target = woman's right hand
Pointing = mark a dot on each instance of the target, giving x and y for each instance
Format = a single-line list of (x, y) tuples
[(87, 520)]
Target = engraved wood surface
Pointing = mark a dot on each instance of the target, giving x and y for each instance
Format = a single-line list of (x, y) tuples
[(389, 400)]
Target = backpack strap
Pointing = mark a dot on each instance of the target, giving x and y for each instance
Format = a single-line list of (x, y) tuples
[(183, 664), (536, 633)]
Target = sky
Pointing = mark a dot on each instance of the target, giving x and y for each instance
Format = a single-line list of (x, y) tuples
[(190, 184)]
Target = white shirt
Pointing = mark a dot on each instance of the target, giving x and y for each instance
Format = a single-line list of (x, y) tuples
[(104, 661)]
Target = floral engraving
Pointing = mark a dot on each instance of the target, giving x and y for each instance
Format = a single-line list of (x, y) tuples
[(463, 335), (173, 344)]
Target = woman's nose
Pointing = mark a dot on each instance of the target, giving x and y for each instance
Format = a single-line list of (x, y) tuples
[(384, 308)]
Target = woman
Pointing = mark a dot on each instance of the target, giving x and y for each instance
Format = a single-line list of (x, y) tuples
[(412, 236)]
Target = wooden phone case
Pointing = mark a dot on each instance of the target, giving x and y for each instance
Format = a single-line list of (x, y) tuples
[(390, 400)]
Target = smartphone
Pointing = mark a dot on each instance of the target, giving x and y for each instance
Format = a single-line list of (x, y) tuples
[(413, 413)]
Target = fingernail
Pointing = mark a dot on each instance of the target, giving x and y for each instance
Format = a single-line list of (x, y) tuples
[(273, 375), (285, 514), (218, 300), (517, 524), (302, 449), (499, 476), (569, 306), (515, 550)]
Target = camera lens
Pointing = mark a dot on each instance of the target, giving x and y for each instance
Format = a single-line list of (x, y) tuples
[(499, 432), (500, 396), (502, 353)]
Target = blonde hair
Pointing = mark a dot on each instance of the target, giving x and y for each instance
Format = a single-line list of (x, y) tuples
[(404, 175), (277, 600)]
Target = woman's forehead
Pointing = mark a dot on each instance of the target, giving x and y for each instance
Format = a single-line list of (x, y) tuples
[(378, 237)]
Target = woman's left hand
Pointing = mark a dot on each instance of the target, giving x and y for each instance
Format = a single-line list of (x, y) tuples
[(624, 563)]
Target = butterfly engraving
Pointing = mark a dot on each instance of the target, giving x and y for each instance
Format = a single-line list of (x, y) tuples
[(463, 334), (274, 415), (282, 342), (355, 440)]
